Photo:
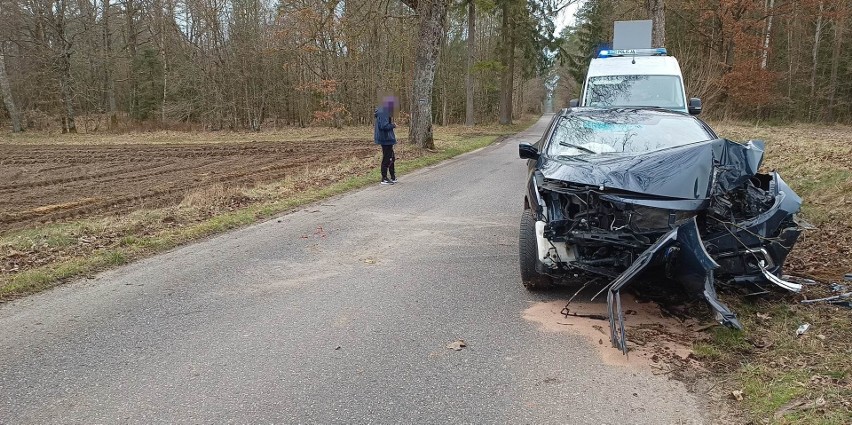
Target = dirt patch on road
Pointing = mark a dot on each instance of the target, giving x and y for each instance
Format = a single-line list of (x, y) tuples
[(655, 340), (54, 182)]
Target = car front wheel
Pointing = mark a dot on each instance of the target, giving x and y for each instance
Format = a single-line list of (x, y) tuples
[(528, 255)]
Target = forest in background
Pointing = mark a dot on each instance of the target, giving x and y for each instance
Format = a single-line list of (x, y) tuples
[(95, 65), (249, 64), (780, 60)]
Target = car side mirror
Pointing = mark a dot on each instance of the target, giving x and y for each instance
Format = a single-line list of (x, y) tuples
[(574, 103), (694, 106), (527, 151)]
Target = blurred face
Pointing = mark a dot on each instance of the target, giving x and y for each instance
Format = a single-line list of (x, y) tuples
[(389, 103)]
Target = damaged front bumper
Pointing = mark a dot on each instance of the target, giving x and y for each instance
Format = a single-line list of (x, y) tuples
[(700, 213), (683, 253), (696, 248), (686, 260)]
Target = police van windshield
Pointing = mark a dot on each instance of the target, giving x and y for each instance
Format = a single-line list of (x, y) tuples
[(663, 91)]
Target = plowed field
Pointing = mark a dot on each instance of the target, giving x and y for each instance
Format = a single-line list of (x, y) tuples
[(52, 182)]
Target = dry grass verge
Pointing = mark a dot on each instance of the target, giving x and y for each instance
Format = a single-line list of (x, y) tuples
[(785, 379)]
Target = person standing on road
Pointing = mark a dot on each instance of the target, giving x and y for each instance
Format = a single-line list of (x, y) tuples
[(383, 135)]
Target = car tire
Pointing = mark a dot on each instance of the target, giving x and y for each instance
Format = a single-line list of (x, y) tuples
[(528, 255)]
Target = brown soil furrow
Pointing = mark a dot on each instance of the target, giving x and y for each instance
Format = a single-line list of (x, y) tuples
[(178, 174), (49, 183), (61, 180)]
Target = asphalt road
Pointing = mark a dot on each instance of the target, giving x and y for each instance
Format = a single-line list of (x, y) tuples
[(337, 313)]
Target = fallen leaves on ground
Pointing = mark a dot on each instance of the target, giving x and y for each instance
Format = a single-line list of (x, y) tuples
[(457, 345)]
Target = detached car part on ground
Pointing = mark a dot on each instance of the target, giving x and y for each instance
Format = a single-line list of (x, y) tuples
[(614, 193)]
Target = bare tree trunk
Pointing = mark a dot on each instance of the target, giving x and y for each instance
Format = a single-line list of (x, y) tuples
[(817, 35), (507, 82), (62, 64), (471, 49), (65, 89), (770, 6), (657, 14), (161, 14), (729, 55), (130, 13), (519, 112), (790, 57), (433, 15), (839, 24), (444, 76), (165, 87), (444, 120), (109, 81), (6, 92)]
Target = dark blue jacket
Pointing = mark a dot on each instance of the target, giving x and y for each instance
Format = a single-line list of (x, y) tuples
[(383, 131)]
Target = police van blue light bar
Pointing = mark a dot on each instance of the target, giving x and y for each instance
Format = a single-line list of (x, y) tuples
[(660, 51)]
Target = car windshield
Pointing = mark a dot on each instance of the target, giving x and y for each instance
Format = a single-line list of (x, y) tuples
[(662, 91), (623, 131)]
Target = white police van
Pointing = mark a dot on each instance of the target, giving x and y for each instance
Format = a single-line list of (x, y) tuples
[(636, 78)]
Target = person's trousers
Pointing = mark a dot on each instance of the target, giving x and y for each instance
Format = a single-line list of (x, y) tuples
[(388, 158)]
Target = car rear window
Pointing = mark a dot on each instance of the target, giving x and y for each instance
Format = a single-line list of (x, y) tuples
[(623, 131)]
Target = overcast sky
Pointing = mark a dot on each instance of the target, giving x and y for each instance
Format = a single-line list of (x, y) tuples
[(566, 16)]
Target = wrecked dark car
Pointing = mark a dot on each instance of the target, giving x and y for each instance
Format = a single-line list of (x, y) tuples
[(615, 194)]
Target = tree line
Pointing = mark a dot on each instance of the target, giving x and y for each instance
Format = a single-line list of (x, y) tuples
[(783, 60), (92, 65), (249, 64)]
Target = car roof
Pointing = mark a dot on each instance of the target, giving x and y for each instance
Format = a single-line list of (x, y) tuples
[(624, 65)]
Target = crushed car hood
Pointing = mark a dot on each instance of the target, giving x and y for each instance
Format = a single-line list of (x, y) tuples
[(685, 172)]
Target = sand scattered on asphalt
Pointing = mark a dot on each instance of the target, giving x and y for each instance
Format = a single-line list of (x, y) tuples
[(654, 340)]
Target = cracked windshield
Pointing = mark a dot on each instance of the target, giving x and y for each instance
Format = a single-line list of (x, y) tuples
[(619, 133)]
